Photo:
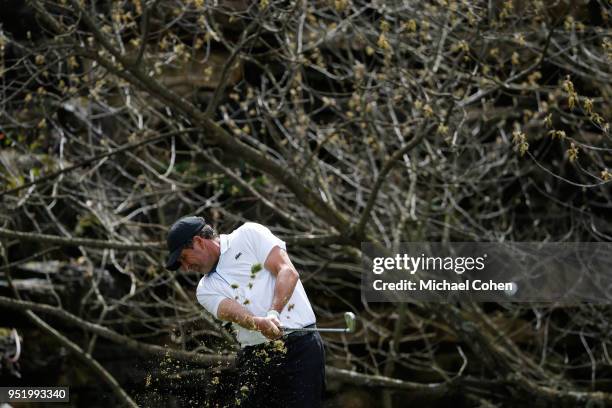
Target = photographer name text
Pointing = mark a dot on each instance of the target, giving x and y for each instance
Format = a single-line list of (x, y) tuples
[(443, 285)]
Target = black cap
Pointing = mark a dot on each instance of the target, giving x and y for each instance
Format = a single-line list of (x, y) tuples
[(179, 235)]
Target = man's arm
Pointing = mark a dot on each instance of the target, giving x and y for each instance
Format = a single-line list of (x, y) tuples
[(279, 264), (232, 311)]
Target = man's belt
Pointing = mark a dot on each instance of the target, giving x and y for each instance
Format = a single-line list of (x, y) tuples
[(300, 333)]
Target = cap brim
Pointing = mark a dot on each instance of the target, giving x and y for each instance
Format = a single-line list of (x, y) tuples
[(172, 262)]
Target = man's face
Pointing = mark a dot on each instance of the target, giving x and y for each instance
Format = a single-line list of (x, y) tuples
[(200, 257)]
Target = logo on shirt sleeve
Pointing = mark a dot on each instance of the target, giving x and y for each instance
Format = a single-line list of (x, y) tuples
[(238, 255)]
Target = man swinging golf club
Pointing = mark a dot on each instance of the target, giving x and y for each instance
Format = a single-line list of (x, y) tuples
[(250, 281)]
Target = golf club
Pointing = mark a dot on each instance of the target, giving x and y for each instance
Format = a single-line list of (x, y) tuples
[(349, 318)]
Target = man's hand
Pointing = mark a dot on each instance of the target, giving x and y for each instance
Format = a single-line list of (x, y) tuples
[(268, 326), (230, 310)]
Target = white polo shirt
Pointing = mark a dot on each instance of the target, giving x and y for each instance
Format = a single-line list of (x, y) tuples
[(246, 246)]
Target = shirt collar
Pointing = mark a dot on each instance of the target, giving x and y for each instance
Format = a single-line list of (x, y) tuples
[(224, 244)]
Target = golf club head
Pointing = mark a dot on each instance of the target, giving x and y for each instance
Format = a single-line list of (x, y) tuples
[(350, 319)]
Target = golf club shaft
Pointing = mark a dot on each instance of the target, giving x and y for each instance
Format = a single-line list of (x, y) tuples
[(317, 329)]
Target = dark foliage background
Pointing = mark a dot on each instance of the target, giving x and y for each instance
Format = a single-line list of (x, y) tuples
[(333, 123)]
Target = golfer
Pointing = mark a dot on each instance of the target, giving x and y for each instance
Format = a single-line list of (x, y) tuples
[(250, 281)]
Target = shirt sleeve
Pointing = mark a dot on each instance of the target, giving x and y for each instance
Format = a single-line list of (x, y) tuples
[(210, 296), (262, 241)]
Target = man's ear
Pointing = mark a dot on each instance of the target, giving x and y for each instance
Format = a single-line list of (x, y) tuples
[(199, 241)]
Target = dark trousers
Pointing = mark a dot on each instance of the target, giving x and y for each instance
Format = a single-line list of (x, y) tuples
[(285, 373)]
